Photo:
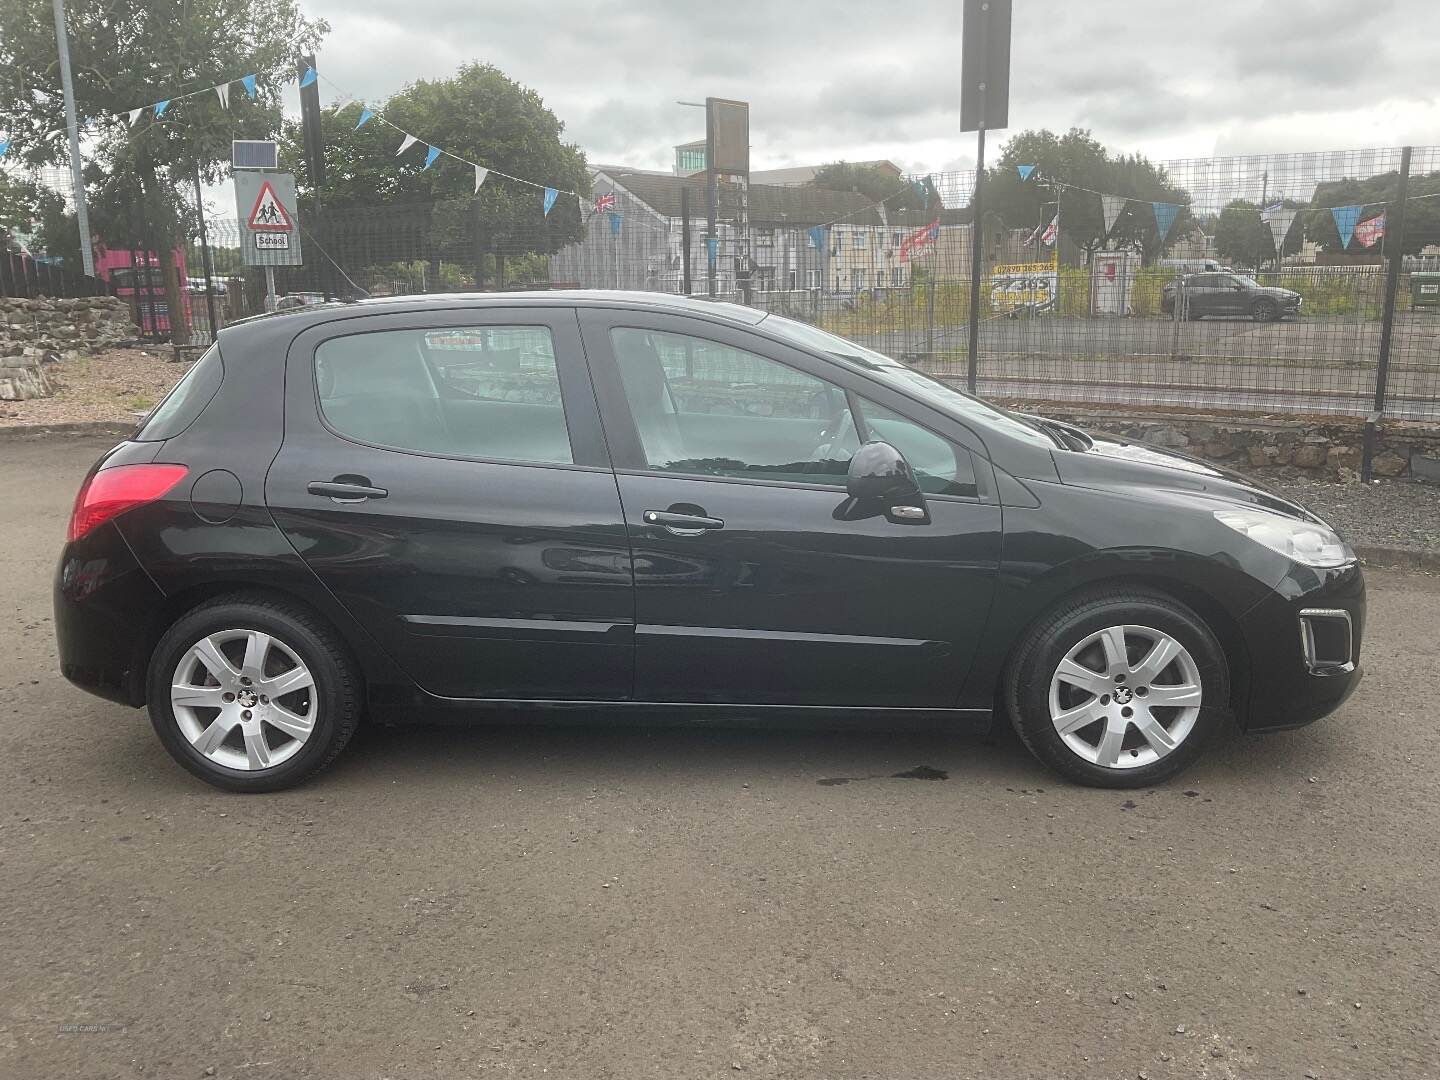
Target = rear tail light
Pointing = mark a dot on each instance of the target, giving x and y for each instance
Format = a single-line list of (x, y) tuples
[(111, 492)]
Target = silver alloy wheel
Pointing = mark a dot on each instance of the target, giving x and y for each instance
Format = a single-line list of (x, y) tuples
[(1125, 696), (244, 699)]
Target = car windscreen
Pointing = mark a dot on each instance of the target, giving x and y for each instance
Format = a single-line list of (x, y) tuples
[(907, 380)]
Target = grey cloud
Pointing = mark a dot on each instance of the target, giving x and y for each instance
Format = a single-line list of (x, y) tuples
[(831, 80)]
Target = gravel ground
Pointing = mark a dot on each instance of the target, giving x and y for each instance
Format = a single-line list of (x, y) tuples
[(1390, 513), (119, 385), (612, 904)]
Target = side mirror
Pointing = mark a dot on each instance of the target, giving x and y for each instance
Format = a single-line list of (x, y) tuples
[(880, 476)]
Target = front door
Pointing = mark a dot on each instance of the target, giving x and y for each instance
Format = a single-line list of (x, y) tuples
[(444, 475), (753, 584)]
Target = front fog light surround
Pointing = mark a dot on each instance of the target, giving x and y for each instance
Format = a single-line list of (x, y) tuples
[(1306, 542)]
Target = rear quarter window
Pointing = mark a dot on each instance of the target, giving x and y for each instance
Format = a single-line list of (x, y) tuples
[(184, 404)]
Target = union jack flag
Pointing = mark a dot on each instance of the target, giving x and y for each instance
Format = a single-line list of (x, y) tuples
[(918, 240), (1371, 232), (605, 202)]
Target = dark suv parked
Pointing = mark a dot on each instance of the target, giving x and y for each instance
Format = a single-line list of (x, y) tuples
[(599, 505), (1229, 294)]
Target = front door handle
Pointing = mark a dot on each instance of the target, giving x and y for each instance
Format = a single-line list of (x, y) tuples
[(681, 524), (346, 490)]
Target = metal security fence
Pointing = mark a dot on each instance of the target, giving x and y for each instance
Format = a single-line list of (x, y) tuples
[(1285, 283)]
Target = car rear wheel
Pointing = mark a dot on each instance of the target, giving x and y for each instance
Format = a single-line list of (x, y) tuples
[(1265, 311), (252, 694), (1118, 689)]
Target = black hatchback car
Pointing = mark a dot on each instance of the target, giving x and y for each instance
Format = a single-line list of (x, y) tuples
[(1228, 294), (607, 505)]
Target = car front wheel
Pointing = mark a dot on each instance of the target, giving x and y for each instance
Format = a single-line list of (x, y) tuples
[(1118, 688), (252, 694), (1265, 311)]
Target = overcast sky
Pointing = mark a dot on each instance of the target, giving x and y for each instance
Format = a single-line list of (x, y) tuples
[(831, 79)]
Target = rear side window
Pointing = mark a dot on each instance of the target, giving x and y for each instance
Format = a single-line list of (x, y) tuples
[(486, 392), (184, 404)]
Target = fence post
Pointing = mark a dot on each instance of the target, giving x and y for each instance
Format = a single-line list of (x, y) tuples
[(930, 319), (685, 239), (1394, 244)]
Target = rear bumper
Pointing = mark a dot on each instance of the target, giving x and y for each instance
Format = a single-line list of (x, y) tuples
[(1297, 674), (104, 606)]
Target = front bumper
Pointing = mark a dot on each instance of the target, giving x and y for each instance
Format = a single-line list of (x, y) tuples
[(1296, 637), (105, 604)]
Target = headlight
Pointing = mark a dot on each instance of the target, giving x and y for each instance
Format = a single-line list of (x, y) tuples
[(1305, 542)]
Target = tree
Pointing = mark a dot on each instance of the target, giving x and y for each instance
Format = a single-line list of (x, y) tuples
[(1070, 170), (1375, 193), (131, 53), (480, 115), (1242, 238), (875, 183)]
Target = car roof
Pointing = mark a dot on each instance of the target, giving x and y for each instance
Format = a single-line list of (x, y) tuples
[(649, 301)]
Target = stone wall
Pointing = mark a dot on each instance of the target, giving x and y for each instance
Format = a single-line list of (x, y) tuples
[(35, 334), (1308, 446)]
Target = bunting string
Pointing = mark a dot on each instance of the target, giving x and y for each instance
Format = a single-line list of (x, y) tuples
[(433, 152)]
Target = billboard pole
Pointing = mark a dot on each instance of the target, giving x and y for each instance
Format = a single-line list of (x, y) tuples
[(984, 104)]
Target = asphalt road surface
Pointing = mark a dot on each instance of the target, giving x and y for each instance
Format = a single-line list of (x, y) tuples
[(631, 904)]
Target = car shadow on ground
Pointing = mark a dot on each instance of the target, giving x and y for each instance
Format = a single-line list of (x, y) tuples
[(618, 753)]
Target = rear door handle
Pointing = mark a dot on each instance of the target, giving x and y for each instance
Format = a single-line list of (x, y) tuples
[(341, 491), (681, 524)]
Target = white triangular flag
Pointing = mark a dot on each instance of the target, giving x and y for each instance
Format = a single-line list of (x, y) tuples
[(410, 141), (1112, 206), (223, 93), (480, 173), (135, 115), (1279, 217)]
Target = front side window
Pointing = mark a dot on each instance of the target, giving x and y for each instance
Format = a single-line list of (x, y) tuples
[(706, 409), (488, 392), (941, 468)]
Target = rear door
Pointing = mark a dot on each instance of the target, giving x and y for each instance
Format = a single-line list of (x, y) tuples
[(754, 581), (444, 475)]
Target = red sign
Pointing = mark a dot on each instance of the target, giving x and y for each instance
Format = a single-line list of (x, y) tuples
[(269, 212)]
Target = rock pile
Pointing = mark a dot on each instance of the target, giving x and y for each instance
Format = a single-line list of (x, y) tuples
[(35, 334)]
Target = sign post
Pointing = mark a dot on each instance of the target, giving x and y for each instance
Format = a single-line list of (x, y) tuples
[(269, 223), (984, 103)]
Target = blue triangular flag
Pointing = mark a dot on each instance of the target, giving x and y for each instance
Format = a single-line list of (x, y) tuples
[(1024, 171), (817, 237), (712, 246), (614, 224), (1345, 219), (1165, 215), (4, 145), (365, 114), (431, 153), (550, 196), (308, 77), (160, 107), (248, 81)]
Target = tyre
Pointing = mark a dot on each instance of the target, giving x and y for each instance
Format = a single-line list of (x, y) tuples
[(1265, 311), (1118, 688), (252, 694)]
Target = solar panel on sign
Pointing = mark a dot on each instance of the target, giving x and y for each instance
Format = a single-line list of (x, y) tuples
[(253, 154)]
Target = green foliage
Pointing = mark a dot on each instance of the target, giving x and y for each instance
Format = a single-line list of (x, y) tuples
[(1077, 158), (875, 183), (479, 114), (128, 53), (1243, 239)]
